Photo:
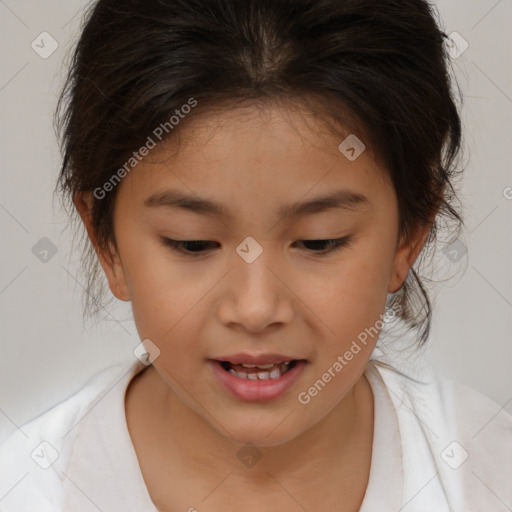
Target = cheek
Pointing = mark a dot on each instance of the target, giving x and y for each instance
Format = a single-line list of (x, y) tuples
[(161, 302), (169, 300), (351, 295), (156, 287), (359, 280)]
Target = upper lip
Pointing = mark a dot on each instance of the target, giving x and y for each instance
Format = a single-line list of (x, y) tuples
[(256, 359)]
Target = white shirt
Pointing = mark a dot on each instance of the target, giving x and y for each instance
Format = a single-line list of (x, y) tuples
[(437, 447)]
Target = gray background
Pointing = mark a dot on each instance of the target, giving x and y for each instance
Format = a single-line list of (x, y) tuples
[(48, 353)]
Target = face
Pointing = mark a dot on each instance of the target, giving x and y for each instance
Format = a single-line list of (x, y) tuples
[(262, 286)]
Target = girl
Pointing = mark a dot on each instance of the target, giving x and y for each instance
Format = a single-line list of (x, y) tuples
[(258, 178)]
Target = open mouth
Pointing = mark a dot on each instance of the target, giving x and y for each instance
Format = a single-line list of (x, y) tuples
[(260, 371), (268, 380)]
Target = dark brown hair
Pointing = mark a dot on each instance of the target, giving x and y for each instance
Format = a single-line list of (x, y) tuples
[(379, 68)]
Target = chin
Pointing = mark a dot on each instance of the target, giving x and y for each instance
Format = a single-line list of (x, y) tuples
[(261, 434)]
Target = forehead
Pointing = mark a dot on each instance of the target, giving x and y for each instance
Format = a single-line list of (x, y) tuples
[(270, 155), (271, 133)]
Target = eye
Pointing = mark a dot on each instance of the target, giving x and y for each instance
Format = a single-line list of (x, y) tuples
[(190, 247), (198, 247), (322, 247)]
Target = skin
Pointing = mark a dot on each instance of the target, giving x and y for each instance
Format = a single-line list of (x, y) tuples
[(291, 301)]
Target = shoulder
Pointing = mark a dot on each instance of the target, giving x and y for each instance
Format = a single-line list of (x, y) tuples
[(34, 457), (451, 405), (468, 435)]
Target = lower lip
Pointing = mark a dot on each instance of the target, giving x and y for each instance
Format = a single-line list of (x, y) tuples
[(256, 390)]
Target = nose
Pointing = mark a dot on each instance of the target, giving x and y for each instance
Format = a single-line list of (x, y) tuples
[(255, 297)]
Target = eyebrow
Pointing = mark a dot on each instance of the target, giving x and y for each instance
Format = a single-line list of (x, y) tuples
[(340, 199)]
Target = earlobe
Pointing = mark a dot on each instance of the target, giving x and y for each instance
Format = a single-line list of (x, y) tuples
[(108, 257), (113, 268)]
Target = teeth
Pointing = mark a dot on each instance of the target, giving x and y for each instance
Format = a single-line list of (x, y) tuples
[(269, 371), (275, 373), (238, 374), (260, 366)]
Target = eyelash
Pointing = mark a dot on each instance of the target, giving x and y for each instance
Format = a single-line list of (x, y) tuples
[(333, 245)]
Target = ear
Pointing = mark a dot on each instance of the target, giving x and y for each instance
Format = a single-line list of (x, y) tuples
[(410, 249), (406, 255), (108, 257)]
